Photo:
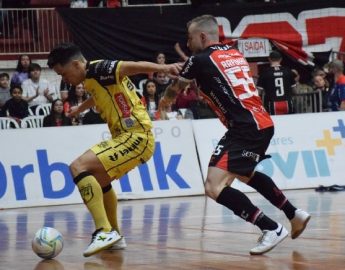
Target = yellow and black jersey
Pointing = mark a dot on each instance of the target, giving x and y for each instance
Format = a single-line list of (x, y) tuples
[(116, 100)]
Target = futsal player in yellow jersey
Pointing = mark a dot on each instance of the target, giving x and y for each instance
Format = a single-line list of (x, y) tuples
[(132, 142)]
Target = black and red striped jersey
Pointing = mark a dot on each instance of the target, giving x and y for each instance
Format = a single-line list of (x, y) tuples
[(224, 77), (277, 83)]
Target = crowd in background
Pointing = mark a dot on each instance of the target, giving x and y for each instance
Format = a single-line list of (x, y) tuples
[(21, 94), (119, 3)]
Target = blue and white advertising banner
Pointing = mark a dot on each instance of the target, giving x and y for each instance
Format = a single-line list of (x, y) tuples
[(307, 150), (34, 164)]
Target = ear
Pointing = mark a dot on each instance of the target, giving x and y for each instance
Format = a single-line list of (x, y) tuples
[(203, 36), (75, 63)]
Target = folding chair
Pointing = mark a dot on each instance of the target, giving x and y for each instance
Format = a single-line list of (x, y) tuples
[(35, 121), (7, 123), (44, 108)]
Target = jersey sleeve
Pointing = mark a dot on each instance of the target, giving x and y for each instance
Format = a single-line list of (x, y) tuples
[(106, 72), (189, 70)]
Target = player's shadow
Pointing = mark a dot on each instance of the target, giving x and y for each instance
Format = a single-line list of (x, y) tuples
[(49, 264), (299, 262), (109, 260)]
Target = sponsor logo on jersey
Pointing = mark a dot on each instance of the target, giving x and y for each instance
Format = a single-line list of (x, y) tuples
[(123, 152), (123, 105), (103, 145), (250, 154), (111, 67), (188, 66), (132, 147), (108, 77), (129, 122), (221, 47), (233, 62)]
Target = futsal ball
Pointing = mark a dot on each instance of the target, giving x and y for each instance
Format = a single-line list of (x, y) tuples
[(47, 243)]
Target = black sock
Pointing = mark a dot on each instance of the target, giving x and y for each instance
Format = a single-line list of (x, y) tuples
[(265, 223), (266, 187), (239, 203), (289, 210)]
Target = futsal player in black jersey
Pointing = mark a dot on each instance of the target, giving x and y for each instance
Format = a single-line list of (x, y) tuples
[(278, 85), (224, 77)]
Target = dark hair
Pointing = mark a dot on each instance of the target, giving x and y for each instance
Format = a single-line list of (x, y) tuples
[(2, 75), (52, 113), (275, 55), (157, 54), (34, 66), (50, 119), (20, 67), (16, 86), (146, 94), (64, 53), (72, 97)]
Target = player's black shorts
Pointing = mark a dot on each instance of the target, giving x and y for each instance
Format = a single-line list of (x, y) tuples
[(240, 150)]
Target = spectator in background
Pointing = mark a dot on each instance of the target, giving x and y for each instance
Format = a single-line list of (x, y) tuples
[(150, 99), (320, 84), (159, 58), (76, 96), (16, 107), (65, 88), (319, 72), (57, 116), (278, 85), (92, 117), (36, 90), (165, 109), (22, 70), (4, 89), (162, 81), (300, 87), (185, 101), (302, 104), (337, 95)]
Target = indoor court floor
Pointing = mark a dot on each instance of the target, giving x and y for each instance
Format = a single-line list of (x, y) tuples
[(180, 233)]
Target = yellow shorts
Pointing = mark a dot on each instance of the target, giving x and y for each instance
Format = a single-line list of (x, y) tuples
[(121, 154)]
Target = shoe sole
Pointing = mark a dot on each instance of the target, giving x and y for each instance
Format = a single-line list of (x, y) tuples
[(98, 250), (117, 248), (263, 252), (299, 232)]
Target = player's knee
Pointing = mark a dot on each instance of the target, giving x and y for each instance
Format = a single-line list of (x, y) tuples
[(76, 168), (210, 190)]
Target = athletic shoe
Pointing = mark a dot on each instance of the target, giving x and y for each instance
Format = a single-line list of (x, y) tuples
[(269, 239), (298, 223), (101, 240), (121, 244)]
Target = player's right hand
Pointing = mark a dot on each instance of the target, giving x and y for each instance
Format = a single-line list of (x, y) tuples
[(173, 70)]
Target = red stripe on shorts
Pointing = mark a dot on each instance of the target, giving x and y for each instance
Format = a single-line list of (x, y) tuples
[(281, 107), (223, 162)]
